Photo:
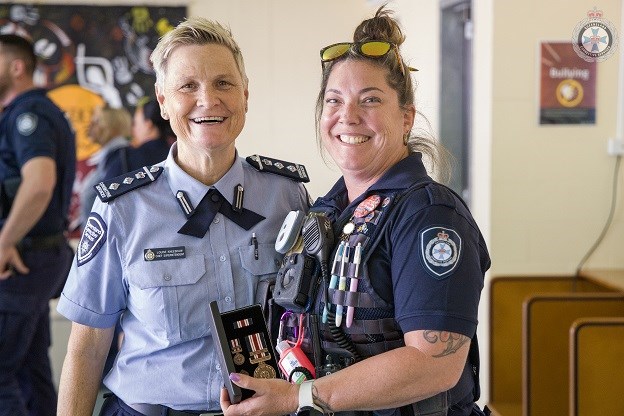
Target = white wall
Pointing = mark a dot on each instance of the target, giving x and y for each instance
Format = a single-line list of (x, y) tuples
[(281, 39), (551, 185)]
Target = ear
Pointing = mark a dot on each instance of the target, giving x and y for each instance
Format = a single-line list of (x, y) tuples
[(17, 67), (160, 97), (409, 115), (246, 99)]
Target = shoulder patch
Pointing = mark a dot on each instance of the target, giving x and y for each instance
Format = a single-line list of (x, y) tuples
[(112, 188), (279, 167), (440, 250), (92, 240), (26, 123)]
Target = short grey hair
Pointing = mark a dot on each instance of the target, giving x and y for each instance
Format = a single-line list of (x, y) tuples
[(194, 31)]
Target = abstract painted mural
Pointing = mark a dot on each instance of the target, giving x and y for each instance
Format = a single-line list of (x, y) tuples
[(90, 56)]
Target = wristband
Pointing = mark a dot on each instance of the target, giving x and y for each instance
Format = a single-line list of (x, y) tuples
[(306, 401)]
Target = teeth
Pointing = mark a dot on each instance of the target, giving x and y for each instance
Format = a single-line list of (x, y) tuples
[(353, 139), (208, 119)]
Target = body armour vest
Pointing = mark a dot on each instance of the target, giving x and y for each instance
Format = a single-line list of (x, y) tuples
[(368, 326)]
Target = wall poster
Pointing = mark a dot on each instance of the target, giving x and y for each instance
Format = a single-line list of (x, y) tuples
[(567, 85), (91, 55)]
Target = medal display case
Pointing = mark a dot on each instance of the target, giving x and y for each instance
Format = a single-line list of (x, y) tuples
[(243, 346)]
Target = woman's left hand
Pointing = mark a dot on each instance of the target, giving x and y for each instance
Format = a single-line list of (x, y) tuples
[(272, 397)]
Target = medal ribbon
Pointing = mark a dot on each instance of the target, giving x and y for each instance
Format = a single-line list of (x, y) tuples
[(236, 346), (243, 323)]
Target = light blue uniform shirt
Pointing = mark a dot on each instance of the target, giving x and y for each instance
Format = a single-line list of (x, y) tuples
[(168, 356)]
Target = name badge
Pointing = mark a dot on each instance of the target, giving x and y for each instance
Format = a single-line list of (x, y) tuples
[(164, 253)]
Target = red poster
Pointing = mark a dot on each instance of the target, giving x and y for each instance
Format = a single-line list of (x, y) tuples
[(567, 86)]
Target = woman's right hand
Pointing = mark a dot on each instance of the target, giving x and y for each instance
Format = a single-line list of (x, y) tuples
[(272, 397)]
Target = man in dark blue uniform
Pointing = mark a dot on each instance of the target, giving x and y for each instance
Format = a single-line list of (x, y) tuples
[(37, 169)]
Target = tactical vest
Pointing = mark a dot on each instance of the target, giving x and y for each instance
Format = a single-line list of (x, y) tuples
[(373, 329)]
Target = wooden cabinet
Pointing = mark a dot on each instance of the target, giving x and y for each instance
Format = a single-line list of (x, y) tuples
[(531, 319)]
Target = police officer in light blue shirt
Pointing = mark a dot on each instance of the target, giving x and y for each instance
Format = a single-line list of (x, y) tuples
[(164, 241)]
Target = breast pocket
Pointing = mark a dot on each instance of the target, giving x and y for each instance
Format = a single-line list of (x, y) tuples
[(264, 267), (170, 296)]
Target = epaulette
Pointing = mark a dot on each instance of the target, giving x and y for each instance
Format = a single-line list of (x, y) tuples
[(279, 167), (441, 195), (110, 189)]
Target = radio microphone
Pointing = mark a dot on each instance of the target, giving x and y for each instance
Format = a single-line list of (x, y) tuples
[(317, 237)]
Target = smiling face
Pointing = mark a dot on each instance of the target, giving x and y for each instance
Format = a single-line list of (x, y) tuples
[(204, 97), (362, 124)]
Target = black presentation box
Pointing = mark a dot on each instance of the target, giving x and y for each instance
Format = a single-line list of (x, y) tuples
[(243, 346)]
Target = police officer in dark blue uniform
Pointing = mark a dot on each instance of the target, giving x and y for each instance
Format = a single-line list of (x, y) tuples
[(151, 139), (391, 329), (37, 169)]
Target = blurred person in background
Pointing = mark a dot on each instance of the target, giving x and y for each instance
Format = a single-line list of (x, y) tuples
[(151, 140), (111, 129), (37, 171)]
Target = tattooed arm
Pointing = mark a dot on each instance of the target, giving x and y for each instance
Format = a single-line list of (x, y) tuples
[(430, 363)]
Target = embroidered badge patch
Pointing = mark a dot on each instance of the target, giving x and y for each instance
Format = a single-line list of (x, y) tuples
[(92, 240), (26, 123), (440, 250)]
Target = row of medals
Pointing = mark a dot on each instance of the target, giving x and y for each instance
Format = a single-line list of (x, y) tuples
[(260, 356)]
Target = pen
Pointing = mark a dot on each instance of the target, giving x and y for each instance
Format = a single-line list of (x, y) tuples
[(342, 284), (357, 258), (334, 277), (254, 242)]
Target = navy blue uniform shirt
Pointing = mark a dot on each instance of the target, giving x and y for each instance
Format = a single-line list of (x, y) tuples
[(427, 292), (430, 261), (31, 126)]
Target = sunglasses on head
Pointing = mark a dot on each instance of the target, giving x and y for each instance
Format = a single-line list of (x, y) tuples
[(371, 49)]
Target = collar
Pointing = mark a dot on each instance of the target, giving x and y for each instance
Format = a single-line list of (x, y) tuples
[(402, 175), (112, 145), (25, 96), (195, 190)]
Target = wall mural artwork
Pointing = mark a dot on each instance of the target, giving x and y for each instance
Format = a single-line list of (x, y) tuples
[(90, 56)]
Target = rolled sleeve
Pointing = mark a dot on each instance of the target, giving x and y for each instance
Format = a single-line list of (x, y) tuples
[(81, 315), (95, 293)]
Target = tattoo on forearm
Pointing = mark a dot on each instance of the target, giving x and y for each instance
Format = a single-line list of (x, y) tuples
[(322, 404), (452, 341)]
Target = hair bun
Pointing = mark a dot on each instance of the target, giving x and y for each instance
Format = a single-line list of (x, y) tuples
[(380, 27)]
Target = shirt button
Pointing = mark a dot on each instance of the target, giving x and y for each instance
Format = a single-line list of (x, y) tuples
[(216, 221), (222, 258), (218, 367), (228, 299), (167, 277)]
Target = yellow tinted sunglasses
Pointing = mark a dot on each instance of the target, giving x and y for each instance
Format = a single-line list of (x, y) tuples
[(371, 49)]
